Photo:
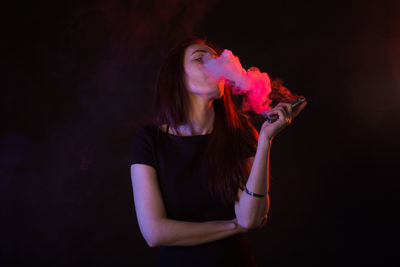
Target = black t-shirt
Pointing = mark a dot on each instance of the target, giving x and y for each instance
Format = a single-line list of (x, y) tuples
[(182, 173)]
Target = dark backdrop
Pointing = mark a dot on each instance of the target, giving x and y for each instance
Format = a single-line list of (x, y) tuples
[(78, 82)]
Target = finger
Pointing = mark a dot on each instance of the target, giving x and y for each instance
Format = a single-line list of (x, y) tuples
[(286, 120), (284, 111), (282, 115), (287, 108), (301, 105), (280, 104), (304, 104), (273, 111), (279, 112), (290, 109), (299, 109)]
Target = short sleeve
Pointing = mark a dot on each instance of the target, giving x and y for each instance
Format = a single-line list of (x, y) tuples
[(142, 148)]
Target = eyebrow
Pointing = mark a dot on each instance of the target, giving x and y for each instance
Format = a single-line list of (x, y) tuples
[(201, 50)]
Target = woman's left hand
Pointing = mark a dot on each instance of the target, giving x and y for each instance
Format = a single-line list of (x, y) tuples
[(239, 228)]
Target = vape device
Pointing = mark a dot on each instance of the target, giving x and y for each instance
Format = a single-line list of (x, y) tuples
[(272, 118)]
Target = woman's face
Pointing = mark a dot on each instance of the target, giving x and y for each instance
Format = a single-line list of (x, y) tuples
[(197, 81)]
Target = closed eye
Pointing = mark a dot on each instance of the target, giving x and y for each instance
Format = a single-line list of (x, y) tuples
[(200, 59)]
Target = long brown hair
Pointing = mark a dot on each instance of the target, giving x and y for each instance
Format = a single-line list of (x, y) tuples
[(233, 138)]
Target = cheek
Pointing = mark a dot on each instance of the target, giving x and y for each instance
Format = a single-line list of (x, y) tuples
[(196, 75)]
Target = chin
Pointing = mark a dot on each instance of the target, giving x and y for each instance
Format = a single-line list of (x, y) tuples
[(218, 88), (218, 92)]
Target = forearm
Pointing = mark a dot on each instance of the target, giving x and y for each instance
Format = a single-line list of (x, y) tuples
[(251, 210), (182, 233)]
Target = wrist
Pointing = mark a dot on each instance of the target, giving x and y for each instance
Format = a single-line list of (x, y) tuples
[(264, 141)]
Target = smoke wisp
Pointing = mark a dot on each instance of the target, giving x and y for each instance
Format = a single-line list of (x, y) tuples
[(260, 93)]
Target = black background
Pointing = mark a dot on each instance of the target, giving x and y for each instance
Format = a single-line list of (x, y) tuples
[(78, 82)]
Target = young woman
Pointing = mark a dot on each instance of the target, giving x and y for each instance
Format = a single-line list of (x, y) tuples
[(191, 165)]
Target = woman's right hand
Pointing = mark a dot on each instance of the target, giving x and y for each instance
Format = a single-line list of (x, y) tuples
[(286, 114)]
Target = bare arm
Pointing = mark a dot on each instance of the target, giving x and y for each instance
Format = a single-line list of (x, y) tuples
[(251, 211), (157, 229), (181, 233)]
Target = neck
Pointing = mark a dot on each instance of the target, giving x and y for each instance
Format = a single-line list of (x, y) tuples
[(201, 116)]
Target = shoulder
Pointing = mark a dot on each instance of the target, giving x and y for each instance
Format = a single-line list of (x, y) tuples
[(147, 130), (145, 135), (143, 145)]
